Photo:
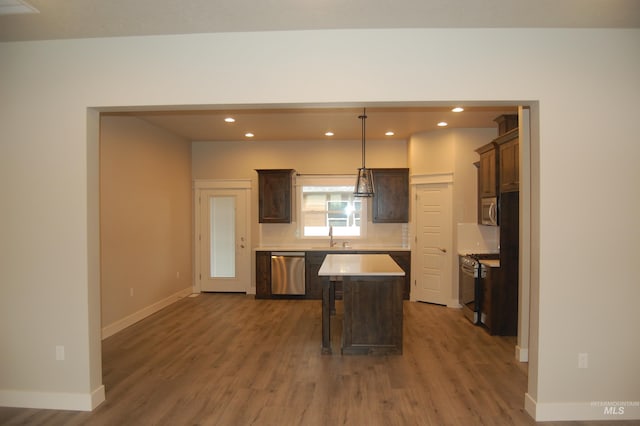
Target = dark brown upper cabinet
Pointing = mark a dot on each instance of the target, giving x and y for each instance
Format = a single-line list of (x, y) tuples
[(390, 202), (509, 161), (506, 123), (274, 195), (487, 171)]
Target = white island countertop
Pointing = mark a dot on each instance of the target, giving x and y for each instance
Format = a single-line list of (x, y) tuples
[(360, 265), (491, 263)]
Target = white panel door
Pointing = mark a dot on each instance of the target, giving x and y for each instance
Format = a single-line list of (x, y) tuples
[(224, 256), (433, 244)]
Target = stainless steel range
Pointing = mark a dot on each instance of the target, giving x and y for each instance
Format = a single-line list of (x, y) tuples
[(470, 290)]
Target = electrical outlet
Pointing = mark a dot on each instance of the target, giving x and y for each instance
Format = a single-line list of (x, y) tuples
[(178, 275), (583, 360), (131, 291), (59, 353)]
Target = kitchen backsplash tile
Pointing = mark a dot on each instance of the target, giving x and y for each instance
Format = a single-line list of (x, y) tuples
[(474, 238), (378, 234)]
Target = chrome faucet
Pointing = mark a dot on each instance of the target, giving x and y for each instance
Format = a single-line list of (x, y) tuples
[(331, 242)]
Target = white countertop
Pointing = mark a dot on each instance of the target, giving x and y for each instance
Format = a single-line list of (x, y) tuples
[(360, 265), (468, 252), (337, 248), (491, 263)]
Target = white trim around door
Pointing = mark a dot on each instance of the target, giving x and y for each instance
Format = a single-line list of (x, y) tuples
[(238, 186)]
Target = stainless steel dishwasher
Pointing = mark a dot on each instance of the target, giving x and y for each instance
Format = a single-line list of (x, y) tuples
[(287, 273)]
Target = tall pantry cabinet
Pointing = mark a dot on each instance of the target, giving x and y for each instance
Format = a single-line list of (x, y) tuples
[(500, 159)]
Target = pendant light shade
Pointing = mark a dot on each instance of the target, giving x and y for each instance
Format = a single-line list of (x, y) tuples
[(364, 183)]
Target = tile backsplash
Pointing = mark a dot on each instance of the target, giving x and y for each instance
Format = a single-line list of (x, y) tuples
[(378, 235), (474, 238)]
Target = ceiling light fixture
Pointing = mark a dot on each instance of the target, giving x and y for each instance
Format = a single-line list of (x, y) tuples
[(443, 124), (389, 133), (457, 109), (364, 182), (328, 134), (230, 120), (249, 135)]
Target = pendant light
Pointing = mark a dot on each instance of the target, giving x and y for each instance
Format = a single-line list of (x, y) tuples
[(364, 183)]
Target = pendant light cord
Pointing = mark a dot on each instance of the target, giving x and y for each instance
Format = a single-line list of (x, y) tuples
[(363, 117)]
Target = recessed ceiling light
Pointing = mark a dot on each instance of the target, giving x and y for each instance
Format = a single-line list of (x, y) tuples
[(249, 135), (329, 133), (389, 133), (443, 124), (230, 120), (457, 109)]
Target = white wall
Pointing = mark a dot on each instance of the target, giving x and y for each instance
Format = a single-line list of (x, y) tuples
[(145, 219), (239, 160), (588, 91), (452, 151)]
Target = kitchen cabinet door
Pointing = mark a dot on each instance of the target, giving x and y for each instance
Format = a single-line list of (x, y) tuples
[(487, 174), (390, 202), (500, 302), (263, 275), (313, 283), (509, 169), (274, 195), (403, 259)]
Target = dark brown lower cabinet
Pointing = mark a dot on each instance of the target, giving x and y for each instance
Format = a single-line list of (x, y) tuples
[(313, 283), (403, 259), (372, 315), (500, 287), (263, 275), (499, 303)]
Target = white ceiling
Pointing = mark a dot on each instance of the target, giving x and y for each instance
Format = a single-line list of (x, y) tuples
[(63, 19), (308, 124), (59, 19)]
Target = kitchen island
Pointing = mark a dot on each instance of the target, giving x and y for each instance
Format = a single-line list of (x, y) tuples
[(373, 287)]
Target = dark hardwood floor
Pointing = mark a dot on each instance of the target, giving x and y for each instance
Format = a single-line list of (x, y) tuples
[(228, 359)]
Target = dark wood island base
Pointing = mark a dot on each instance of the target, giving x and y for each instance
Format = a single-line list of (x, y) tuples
[(373, 314)]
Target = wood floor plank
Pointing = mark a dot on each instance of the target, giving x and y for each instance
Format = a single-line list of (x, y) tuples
[(228, 359)]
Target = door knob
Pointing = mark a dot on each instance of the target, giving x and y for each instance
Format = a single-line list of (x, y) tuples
[(444, 250)]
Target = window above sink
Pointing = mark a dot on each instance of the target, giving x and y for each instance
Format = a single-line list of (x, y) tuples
[(326, 202)]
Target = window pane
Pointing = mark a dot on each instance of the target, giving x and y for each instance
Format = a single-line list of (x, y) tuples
[(325, 206), (222, 237)]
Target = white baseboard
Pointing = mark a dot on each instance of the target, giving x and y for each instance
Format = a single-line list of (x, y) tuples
[(522, 354), (53, 400), (125, 322), (454, 303), (582, 411)]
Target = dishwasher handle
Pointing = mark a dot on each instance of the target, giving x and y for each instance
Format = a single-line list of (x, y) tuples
[(288, 253)]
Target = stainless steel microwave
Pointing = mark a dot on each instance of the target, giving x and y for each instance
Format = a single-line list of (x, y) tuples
[(489, 211)]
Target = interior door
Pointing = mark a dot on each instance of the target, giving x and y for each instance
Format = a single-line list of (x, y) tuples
[(433, 244), (224, 257)]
